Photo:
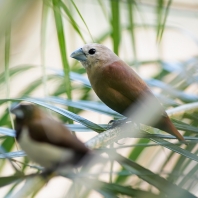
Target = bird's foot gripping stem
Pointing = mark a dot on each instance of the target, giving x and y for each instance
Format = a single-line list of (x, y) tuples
[(116, 123)]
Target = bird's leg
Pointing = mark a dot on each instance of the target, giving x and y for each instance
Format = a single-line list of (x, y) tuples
[(116, 123)]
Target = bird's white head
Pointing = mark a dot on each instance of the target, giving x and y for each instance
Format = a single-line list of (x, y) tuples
[(94, 55)]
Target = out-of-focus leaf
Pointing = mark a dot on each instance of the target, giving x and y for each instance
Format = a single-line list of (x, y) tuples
[(188, 176), (16, 70), (73, 76), (35, 84), (6, 131), (61, 111), (78, 128), (134, 154), (184, 127), (78, 77), (62, 45), (177, 149), (154, 179), (110, 189), (166, 101), (10, 179), (73, 22), (85, 105), (173, 92), (14, 154), (115, 22), (82, 19), (162, 26)]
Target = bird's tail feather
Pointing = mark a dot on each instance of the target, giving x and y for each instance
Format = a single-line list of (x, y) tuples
[(166, 125)]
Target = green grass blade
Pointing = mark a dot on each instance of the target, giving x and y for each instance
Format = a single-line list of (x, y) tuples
[(85, 105), (61, 111), (62, 46), (8, 132), (82, 19), (10, 179), (115, 23), (177, 149), (154, 179), (73, 22), (164, 20), (14, 154), (131, 10)]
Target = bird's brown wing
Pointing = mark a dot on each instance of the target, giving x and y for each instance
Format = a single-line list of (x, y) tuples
[(53, 132), (122, 78), (132, 89)]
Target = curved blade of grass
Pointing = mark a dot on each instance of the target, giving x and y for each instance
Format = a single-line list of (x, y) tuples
[(35, 84), (78, 77), (78, 128), (154, 179), (7, 145), (184, 127), (162, 27), (103, 7), (188, 176), (182, 163), (171, 66), (183, 109), (73, 22), (73, 76), (44, 18), (111, 189), (61, 111), (159, 10), (10, 179), (15, 70), (176, 149), (82, 19), (85, 105), (6, 131), (126, 190), (14, 154), (167, 102), (131, 14), (71, 115), (134, 154), (62, 46), (173, 92)]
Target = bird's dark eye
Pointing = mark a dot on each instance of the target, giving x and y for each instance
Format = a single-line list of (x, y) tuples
[(92, 51)]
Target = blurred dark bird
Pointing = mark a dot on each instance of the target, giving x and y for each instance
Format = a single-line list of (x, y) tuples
[(118, 85), (46, 141)]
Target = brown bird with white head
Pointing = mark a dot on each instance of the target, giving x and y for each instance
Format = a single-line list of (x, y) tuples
[(45, 140), (117, 84)]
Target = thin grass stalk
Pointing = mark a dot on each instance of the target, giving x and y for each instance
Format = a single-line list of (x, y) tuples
[(130, 5), (63, 51), (82, 20), (45, 10), (164, 21)]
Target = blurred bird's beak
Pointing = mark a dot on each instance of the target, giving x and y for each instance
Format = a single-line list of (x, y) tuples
[(17, 111), (79, 55)]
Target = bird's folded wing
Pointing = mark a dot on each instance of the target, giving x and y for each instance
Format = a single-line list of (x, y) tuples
[(125, 81), (53, 132)]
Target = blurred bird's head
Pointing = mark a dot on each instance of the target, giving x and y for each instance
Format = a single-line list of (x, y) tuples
[(25, 111), (94, 55)]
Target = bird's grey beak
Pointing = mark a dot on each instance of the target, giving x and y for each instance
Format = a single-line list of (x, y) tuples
[(79, 55), (17, 111)]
